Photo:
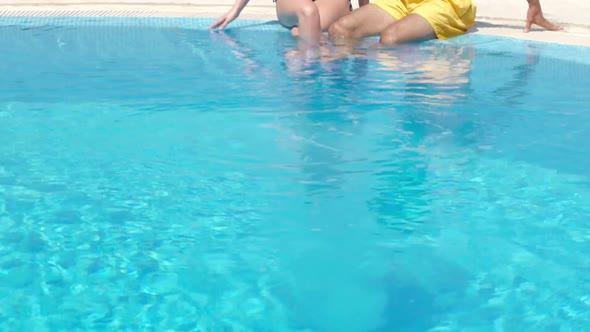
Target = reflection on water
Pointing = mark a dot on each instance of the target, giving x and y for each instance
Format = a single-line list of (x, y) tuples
[(402, 116), (182, 179), (331, 127), (515, 91)]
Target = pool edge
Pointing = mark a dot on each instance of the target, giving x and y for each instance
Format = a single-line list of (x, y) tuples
[(577, 35)]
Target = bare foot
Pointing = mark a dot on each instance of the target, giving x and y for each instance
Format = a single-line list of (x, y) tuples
[(535, 16), (295, 31)]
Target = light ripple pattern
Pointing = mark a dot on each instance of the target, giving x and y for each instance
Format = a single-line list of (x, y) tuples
[(157, 176)]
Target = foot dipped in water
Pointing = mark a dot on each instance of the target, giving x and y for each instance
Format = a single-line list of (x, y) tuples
[(299, 61), (307, 59)]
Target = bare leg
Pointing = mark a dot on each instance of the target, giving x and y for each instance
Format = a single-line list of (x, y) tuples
[(368, 20), (411, 28), (371, 20), (303, 13), (330, 11), (310, 18)]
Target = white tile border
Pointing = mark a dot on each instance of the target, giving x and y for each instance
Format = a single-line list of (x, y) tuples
[(574, 35), (123, 10)]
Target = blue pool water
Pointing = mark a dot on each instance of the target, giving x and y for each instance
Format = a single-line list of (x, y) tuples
[(157, 177)]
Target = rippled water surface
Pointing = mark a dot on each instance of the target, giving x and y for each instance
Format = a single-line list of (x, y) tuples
[(156, 177)]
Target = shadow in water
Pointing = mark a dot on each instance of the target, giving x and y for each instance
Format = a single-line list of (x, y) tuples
[(422, 292), (516, 91)]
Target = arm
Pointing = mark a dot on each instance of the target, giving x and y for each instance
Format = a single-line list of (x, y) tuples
[(535, 16), (231, 15), (363, 2), (241, 4)]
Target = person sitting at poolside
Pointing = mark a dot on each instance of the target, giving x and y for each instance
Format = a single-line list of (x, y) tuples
[(402, 21), (301, 16)]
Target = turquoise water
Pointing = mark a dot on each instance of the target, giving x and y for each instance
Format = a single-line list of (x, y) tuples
[(157, 177)]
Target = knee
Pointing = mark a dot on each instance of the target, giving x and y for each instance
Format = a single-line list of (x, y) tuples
[(340, 28), (390, 37), (308, 11)]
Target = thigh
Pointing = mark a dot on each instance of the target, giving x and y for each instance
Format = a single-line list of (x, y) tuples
[(331, 10), (368, 20), (287, 11), (411, 28)]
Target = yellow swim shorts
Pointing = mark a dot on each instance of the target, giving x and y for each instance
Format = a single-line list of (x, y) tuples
[(448, 18)]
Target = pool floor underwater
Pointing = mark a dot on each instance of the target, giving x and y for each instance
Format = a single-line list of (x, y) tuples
[(157, 176)]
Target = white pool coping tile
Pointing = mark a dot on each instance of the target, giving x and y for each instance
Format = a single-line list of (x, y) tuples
[(507, 26)]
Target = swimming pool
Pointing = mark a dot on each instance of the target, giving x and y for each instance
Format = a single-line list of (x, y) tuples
[(155, 176)]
